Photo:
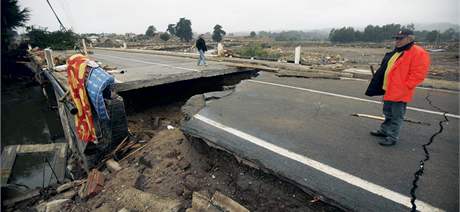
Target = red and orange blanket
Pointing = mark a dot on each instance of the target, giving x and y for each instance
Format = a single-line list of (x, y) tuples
[(76, 77)]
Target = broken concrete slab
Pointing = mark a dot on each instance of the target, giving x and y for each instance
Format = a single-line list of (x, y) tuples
[(112, 165), (266, 117), (193, 106), (152, 70), (217, 94), (226, 203), (53, 206), (69, 185), (200, 202), (218, 203)]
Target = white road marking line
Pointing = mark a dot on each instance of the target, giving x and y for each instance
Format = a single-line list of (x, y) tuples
[(147, 62), (418, 87), (355, 79), (348, 178), (352, 97)]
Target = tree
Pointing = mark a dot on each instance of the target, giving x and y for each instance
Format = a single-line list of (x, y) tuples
[(183, 30), (171, 29), (218, 33), (165, 36), (12, 18), (433, 36), (150, 31), (449, 35), (57, 40), (252, 34)]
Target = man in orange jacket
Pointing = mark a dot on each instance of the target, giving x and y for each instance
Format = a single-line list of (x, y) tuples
[(399, 74)]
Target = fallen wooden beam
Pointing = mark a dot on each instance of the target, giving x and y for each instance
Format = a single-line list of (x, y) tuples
[(381, 118), (13, 201)]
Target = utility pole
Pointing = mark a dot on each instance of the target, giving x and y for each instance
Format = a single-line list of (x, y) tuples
[(62, 25)]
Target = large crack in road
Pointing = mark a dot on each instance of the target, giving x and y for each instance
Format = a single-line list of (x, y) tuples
[(421, 168)]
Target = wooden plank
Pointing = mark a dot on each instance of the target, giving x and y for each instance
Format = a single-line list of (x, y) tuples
[(11, 152), (60, 161), (35, 148), (8, 159)]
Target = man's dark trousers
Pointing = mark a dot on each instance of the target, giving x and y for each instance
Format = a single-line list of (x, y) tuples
[(394, 117)]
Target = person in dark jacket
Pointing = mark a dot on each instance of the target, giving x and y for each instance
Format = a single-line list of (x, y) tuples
[(399, 74), (201, 46)]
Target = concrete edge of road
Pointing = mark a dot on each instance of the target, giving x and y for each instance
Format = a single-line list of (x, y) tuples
[(292, 70)]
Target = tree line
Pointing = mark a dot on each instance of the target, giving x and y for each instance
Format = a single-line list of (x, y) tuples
[(385, 32), (183, 30)]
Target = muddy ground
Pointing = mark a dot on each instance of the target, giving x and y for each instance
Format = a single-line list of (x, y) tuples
[(172, 167), (444, 65)]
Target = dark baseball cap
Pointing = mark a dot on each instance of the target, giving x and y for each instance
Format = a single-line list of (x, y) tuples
[(403, 33)]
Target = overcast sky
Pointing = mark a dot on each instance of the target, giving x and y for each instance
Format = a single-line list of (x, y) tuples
[(236, 15)]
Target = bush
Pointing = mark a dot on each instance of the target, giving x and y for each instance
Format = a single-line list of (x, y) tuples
[(165, 36), (57, 40), (256, 50)]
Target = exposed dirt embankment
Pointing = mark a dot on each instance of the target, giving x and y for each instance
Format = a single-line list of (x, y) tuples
[(171, 167)]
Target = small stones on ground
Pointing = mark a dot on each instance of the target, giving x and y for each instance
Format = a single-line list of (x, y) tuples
[(184, 164), (145, 162), (158, 180), (112, 165), (141, 182), (124, 210)]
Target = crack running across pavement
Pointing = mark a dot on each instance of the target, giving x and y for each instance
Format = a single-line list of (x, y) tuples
[(421, 168)]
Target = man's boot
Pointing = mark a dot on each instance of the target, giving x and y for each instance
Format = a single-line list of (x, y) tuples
[(378, 133), (387, 142)]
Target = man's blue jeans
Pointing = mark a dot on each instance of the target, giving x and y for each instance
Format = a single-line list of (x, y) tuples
[(201, 59), (394, 117)]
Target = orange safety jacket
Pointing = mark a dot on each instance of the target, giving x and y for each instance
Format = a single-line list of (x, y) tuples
[(407, 72)]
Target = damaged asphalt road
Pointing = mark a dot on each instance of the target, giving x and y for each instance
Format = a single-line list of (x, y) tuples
[(302, 130)]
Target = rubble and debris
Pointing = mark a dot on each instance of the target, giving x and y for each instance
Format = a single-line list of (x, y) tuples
[(112, 165), (156, 123), (142, 201), (218, 203), (94, 183), (141, 182), (225, 203), (67, 186), (11, 202), (53, 206)]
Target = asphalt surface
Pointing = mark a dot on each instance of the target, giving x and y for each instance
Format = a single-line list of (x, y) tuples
[(146, 70), (310, 137)]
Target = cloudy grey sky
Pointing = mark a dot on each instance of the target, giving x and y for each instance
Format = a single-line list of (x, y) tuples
[(237, 15)]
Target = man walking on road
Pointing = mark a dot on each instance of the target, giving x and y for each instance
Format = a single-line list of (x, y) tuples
[(201, 46), (399, 74)]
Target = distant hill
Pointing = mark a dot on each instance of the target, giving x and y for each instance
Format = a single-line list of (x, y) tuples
[(436, 26)]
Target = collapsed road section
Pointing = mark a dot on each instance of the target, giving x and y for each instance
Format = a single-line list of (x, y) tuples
[(154, 167), (301, 130)]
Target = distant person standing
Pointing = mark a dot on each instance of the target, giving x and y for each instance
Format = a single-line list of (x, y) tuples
[(399, 74), (201, 46)]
